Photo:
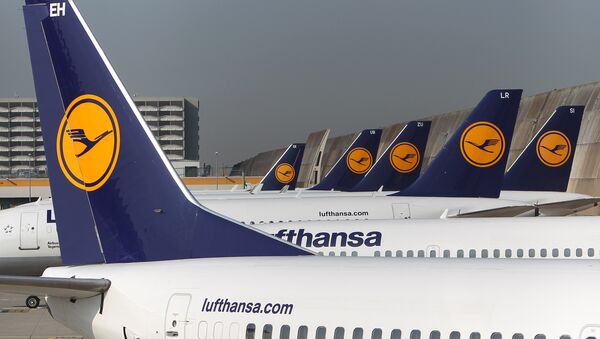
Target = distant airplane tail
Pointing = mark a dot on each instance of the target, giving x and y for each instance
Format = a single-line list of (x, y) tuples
[(545, 163), (472, 162), (116, 197), (356, 161), (400, 164), (285, 170)]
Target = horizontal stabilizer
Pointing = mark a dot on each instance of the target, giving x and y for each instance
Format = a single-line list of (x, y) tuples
[(508, 211), (55, 287), (567, 207)]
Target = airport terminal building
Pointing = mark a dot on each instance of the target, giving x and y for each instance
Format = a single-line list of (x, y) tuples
[(173, 120)]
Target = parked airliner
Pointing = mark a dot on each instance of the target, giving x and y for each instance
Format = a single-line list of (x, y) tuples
[(147, 261), (29, 241), (539, 176), (282, 176)]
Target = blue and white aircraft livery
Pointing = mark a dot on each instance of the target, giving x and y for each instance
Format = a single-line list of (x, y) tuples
[(161, 266), (549, 155), (29, 242)]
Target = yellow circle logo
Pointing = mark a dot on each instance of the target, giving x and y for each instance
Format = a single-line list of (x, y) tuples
[(405, 157), (482, 144), (88, 142), (359, 160), (285, 173), (553, 148)]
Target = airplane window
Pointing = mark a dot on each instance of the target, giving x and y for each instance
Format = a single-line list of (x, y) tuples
[(434, 335), (579, 252), (202, 329), (472, 254), (284, 333), (396, 334), (508, 253), (460, 254), (354, 254), (338, 333), (446, 253), (555, 252), (432, 254), (415, 334), (539, 336), (218, 330), (543, 252), (517, 336), (399, 254), (267, 332), (233, 330), (320, 253), (377, 254), (421, 254), (496, 253), (251, 222), (302, 332), (475, 335), (320, 333), (331, 253), (565, 337), (388, 253), (250, 330), (484, 253), (342, 253), (357, 333), (376, 334), (567, 252), (454, 335), (520, 253), (496, 335), (590, 252), (532, 253), (410, 253)]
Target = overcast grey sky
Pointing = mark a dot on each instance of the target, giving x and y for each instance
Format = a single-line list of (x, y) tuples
[(268, 72)]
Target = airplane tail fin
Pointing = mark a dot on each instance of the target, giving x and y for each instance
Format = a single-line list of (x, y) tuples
[(472, 162), (285, 170), (400, 164), (356, 161), (116, 196), (545, 163)]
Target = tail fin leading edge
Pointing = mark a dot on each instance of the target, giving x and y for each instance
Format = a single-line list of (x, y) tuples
[(285, 170), (472, 162), (115, 193), (545, 163), (400, 164), (356, 161)]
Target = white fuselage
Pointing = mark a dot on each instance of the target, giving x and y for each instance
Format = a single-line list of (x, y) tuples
[(195, 298), (549, 203), (29, 249), (273, 210)]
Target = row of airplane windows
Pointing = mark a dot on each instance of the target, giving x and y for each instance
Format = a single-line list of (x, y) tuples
[(377, 333), (484, 253)]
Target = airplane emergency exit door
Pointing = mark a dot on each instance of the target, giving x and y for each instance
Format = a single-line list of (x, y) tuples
[(401, 211), (176, 318), (29, 232)]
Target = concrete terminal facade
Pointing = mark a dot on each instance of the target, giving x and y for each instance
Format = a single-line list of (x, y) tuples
[(322, 151)]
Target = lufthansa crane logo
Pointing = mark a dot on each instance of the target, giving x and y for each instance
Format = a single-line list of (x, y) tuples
[(405, 157), (482, 144), (553, 148), (359, 160), (88, 142), (285, 173)]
